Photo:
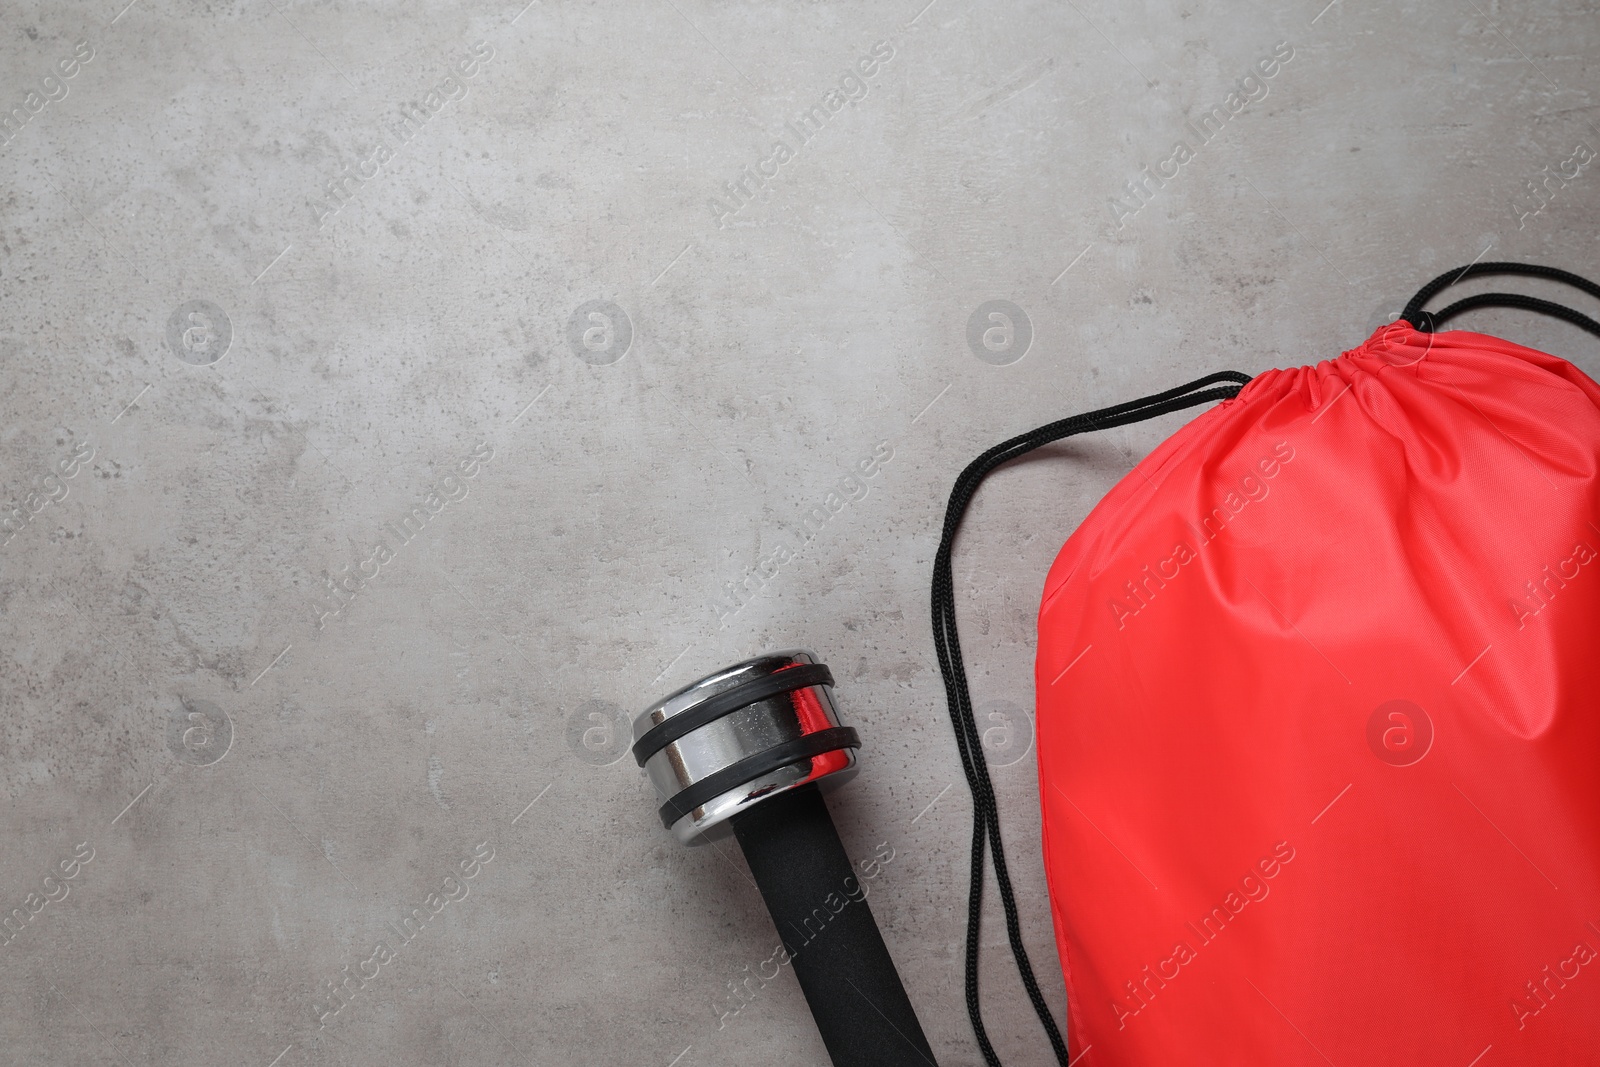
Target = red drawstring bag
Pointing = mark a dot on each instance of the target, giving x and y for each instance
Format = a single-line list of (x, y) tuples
[(1318, 724)]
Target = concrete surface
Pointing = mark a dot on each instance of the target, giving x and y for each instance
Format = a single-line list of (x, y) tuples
[(253, 316)]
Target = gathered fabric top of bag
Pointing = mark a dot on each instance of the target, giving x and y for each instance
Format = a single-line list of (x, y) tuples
[(1400, 382)]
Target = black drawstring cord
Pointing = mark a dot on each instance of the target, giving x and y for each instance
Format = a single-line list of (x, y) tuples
[(1428, 322), (1433, 320), (985, 812)]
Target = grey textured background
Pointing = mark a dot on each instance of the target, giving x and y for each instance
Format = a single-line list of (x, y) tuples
[(181, 570)]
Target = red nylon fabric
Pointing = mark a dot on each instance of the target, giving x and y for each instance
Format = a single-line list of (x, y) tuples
[(1318, 727)]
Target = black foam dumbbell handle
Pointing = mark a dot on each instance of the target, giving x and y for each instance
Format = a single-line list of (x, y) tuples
[(818, 904)]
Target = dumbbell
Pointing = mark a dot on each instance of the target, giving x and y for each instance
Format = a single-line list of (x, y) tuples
[(751, 746)]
